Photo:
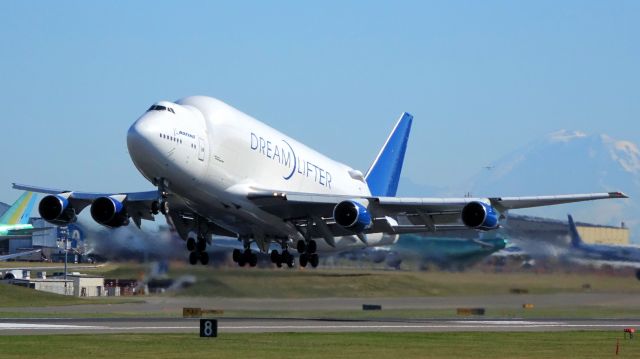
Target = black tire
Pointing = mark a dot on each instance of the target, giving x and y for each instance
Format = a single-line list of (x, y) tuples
[(193, 258), (204, 258), (301, 247), (253, 259), (638, 274), (275, 256), (241, 261), (201, 245), (191, 244), (164, 207), (236, 255), (314, 260), (303, 260), (312, 247), (288, 259)]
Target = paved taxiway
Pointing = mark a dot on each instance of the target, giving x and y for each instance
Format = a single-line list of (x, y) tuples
[(254, 325), (149, 306)]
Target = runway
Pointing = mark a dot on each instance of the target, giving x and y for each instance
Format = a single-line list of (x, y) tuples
[(255, 325)]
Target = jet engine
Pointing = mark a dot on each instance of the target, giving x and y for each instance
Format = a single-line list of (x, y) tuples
[(56, 210), (480, 215), (352, 215), (109, 212)]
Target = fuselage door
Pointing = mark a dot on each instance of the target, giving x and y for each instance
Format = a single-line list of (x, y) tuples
[(200, 148)]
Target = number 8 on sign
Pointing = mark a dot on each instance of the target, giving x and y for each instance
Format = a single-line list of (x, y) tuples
[(208, 328)]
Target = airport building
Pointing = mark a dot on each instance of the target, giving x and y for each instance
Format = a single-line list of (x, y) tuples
[(603, 235), (76, 284)]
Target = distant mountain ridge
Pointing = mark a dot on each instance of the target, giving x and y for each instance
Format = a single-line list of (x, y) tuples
[(566, 162)]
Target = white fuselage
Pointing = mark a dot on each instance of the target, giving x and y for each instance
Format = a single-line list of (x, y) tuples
[(212, 155)]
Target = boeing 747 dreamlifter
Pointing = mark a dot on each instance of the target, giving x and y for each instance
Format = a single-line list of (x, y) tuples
[(219, 171)]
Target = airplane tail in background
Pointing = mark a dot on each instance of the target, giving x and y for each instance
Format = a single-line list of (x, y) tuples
[(384, 174), (576, 241), (20, 210)]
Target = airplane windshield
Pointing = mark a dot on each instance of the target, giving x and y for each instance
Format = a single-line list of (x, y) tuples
[(160, 108)]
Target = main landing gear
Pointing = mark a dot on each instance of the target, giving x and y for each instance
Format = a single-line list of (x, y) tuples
[(282, 258), (308, 253), (197, 247), (245, 257)]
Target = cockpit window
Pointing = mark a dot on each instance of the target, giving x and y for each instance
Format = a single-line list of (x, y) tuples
[(160, 108)]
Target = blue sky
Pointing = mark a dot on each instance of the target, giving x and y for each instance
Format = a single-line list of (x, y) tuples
[(480, 77)]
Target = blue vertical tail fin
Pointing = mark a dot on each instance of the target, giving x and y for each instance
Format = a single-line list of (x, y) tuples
[(20, 210), (576, 241), (384, 174)]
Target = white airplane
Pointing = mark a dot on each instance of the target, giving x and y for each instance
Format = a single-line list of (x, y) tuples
[(219, 171)]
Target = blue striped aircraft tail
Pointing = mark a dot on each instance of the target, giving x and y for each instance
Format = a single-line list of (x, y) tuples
[(384, 174)]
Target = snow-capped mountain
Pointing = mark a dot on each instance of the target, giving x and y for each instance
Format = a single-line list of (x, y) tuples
[(570, 162), (562, 162)]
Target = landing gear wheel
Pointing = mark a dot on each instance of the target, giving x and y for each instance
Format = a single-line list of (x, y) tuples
[(201, 245), (312, 247), (314, 260), (204, 258), (304, 259), (191, 244), (193, 258), (245, 258), (155, 207), (301, 247), (638, 274), (275, 256), (236, 255), (288, 259), (253, 259)]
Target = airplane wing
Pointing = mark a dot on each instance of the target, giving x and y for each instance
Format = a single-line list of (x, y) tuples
[(414, 214), (138, 203), (17, 255)]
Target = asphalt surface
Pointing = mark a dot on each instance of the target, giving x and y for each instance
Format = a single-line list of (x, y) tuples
[(175, 304), (254, 325), (159, 315)]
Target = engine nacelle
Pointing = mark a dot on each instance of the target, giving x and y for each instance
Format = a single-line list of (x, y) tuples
[(352, 215), (109, 212), (480, 215), (56, 210)]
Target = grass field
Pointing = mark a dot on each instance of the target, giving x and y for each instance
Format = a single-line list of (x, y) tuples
[(327, 345), (357, 283), (15, 296), (310, 283)]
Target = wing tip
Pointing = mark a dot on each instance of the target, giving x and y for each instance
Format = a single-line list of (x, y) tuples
[(617, 195)]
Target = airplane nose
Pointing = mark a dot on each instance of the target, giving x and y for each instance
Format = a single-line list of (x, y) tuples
[(140, 138)]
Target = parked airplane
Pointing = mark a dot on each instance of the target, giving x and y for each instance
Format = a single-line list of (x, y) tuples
[(444, 252), (18, 255), (219, 171), (603, 254), (15, 221)]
